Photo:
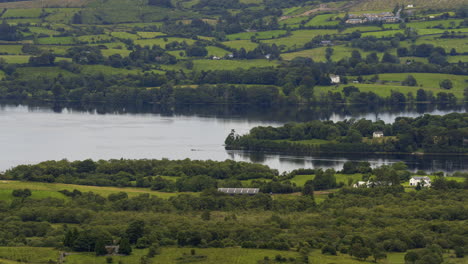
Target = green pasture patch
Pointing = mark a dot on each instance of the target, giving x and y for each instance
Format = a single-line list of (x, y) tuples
[(162, 41), (318, 54), (458, 58), (35, 72), (391, 26), (22, 13), (189, 4), (215, 51), (433, 31), (107, 70), (60, 15), (56, 40), (416, 59), (258, 35), (2, 74), (432, 23), (324, 20), (299, 37), (125, 35), (294, 20), (205, 65), (361, 29), (29, 254), (94, 38), (52, 188), (238, 44), (15, 58), (461, 45), (11, 49), (149, 35), (300, 180), (16, 21), (427, 80), (42, 30), (177, 54), (385, 33), (251, 1), (56, 49)]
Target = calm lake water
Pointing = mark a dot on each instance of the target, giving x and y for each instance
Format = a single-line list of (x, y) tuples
[(34, 134)]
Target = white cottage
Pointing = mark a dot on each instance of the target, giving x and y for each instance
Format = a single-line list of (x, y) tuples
[(378, 134), (335, 78), (423, 181)]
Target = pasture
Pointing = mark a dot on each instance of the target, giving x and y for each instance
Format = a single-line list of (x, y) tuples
[(15, 58), (461, 45), (238, 44), (298, 38), (162, 41), (56, 40), (22, 13), (11, 49), (258, 35), (205, 65), (324, 20), (149, 35), (300, 180)]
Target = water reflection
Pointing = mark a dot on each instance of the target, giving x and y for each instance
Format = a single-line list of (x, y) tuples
[(39, 132)]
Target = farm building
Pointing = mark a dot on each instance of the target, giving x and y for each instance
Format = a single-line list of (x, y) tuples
[(378, 134), (423, 181), (250, 191), (371, 184), (354, 21), (334, 78)]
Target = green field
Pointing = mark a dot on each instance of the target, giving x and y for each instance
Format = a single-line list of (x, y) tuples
[(432, 23), (294, 21), (206, 65), (161, 41), (125, 35), (43, 190), (379, 34), (56, 40), (323, 20), (94, 38), (15, 58), (318, 54), (300, 180), (298, 38), (122, 52), (361, 28), (11, 49), (461, 45), (215, 51), (22, 13), (60, 15), (429, 82), (148, 35), (2, 74), (28, 254), (238, 44), (258, 35), (46, 31), (34, 72)]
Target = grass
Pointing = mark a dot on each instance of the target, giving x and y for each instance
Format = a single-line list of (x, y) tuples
[(15, 58), (294, 21), (361, 29), (259, 35), (34, 72), (11, 49), (60, 15), (122, 52), (43, 190), (29, 254), (125, 35), (46, 31), (215, 51), (161, 42), (318, 54), (94, 38), (455, 59), (386, 33), (238, 44), (16, 21), (433, 23), (22, 13), (323, 20), (56, 40), (149, 35), (429, 82), (205, 65), (461, 45), (300, 180), (299, 38), (2, 74)]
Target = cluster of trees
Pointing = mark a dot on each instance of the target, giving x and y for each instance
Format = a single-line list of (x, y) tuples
[(426, 134), (258, 222)]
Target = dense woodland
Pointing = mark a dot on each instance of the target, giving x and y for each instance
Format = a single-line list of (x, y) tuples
[(427, 134)]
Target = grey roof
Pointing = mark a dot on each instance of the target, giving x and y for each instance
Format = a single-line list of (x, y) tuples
[(421, 178), (239, 190)]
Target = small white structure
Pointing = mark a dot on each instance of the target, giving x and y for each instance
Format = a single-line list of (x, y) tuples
[(371, 184), (215, 58), (423, 181), (268, 56), (378, 134), (410, 6), (335, 78)]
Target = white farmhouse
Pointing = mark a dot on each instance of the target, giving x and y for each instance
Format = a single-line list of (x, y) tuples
[(378, 134), (410, 6), (335, 78), (423, 181)]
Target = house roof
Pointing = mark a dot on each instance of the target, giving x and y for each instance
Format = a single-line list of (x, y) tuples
[(239, 190), (421, 178)]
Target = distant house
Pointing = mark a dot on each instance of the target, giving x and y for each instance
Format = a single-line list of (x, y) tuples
[(250, 191), (423, 181), (326, 43), (354, 21), (215, 58), (371, 184), (391, 19), (112, 250), (335, 78), (409, 6), (378, 134)]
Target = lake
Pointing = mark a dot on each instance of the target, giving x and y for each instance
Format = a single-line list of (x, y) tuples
[(33, 134)]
